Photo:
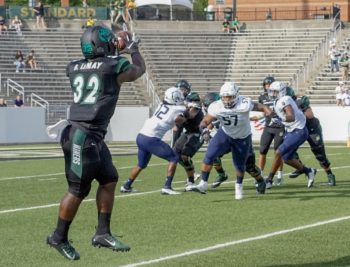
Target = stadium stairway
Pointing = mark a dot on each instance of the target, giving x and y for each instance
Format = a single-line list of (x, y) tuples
[(321, 89)]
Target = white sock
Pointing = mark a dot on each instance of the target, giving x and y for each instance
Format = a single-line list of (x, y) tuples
[(279, 174)]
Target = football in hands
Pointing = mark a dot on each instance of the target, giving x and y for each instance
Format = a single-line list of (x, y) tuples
[(123, 38)]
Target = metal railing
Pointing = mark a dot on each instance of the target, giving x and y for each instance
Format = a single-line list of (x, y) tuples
[(151, 92), (13, 86), (36, 100), (315, 59)]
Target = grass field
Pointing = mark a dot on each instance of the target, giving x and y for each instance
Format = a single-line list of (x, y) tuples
[(290, 225)]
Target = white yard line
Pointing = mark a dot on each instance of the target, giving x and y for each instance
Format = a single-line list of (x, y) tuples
[(85, 200), (93, 199), (236, 242), (62, 173), (129, 167)]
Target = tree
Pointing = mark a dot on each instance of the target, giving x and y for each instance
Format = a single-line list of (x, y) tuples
[(200, 5)]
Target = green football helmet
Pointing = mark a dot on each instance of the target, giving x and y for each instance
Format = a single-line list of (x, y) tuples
[(290, 92), (193, 100), (304, 102), (210, 98), (98, 41)]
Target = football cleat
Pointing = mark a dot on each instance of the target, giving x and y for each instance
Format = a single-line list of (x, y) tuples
[(311, 177), (295, 174), (268, 183), (201, 187), (197, 176), (260, 186), (189, 186), (169, 191), (64, 248), (127, 190), (278, 181), (219, 180), (331, 179), (238, 191), (109, 241)]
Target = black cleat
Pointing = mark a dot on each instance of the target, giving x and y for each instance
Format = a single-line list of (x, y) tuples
[(64, 248), (331, 179), (295, 174), (109, 241), (219, 180), (260, 186)]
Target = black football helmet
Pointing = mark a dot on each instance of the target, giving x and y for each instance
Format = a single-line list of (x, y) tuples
[(184, 86), (268, 80), (210, 98), (98, 41), (193, 100)]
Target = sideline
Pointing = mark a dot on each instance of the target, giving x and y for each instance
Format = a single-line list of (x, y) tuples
[(236, 242)]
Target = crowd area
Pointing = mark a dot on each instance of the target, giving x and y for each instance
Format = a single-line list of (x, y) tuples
[(17, 103), (231, 26), (339, 63)]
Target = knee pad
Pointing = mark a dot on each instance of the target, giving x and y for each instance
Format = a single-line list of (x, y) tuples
[(253, 170), (320, 155), (187, 163), (217, 162)]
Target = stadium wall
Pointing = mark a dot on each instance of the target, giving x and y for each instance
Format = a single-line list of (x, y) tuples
[(27, 125), (334, 121), (244, 7)]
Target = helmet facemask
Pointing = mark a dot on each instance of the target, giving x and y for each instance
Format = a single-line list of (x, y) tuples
[(267, 82), (277, 90), (229, 101), (184, 86), (193, 100), (229, 93), (174, 96)]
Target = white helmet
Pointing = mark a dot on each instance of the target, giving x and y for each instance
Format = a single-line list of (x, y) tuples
[(174, 96), (229, 89), (277, 90)]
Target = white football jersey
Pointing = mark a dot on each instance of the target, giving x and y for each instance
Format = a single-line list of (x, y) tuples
[(162, 120), (234, 122), (300, 120)]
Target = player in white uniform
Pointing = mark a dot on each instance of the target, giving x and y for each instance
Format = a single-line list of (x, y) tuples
[(232, 111), (296, 133), (149, 140)]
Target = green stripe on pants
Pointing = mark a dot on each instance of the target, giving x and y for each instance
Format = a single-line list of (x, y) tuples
[(77, 151)]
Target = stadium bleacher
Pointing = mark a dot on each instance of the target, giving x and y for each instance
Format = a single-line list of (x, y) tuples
[(209, 59), (53, 50), (198, 52)]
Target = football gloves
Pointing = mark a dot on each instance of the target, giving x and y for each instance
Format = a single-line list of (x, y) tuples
[(132, 45)]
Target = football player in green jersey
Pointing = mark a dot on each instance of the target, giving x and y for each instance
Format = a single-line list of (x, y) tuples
[(95, 81)]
